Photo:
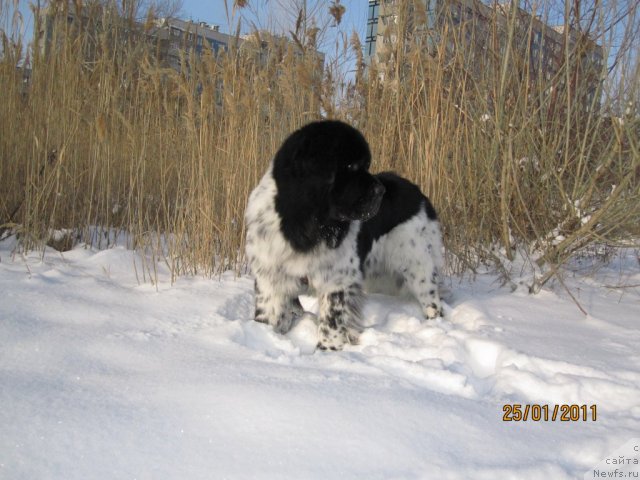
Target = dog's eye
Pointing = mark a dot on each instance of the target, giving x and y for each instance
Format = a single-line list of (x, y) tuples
[(352, 167)]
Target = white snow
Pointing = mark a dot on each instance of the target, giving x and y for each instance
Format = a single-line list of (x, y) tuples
[(103, 377)]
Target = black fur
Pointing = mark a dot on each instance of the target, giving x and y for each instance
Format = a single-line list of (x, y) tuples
[(323, 184)]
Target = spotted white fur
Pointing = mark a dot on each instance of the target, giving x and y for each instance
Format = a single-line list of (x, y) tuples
[(407, 260)]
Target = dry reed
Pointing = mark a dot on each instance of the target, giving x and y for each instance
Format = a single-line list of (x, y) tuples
[(106, 138)]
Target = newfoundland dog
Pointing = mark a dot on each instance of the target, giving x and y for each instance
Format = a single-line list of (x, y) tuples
[(318, 222)]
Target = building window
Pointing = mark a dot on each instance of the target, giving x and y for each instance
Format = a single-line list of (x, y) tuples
[(372, 27), (216, 45), (374, 9), (537, 39), (455, 14), (469, 13)]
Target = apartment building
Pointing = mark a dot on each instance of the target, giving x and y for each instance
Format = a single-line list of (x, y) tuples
[(177, 38), (481, 30), (173, 39), (173, 35)]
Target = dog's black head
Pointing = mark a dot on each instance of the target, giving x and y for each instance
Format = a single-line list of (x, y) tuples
[(321, 172)]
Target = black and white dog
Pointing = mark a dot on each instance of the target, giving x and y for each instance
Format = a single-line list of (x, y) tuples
[(319, 222)]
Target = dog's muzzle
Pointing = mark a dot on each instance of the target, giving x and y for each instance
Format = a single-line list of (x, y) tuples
[(375, 202)]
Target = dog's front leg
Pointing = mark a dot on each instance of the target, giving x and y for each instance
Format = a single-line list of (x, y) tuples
[(340, 318), (277, 307)]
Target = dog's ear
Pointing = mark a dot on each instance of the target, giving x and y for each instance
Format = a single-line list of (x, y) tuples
[(304, 155), (316, 158), (305, 160)]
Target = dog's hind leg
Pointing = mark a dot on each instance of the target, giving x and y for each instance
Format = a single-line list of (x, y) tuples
[(424, 287), (417, 260)]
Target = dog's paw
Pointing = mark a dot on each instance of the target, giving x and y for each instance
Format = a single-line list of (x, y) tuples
[(285, 322), (433, 311), (333, 339)]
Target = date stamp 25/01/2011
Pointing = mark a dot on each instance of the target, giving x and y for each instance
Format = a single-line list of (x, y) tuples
[(515, 412)]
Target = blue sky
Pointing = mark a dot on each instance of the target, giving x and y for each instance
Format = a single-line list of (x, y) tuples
[(272, 15), (278, 16), (213, 11), (264, 14)]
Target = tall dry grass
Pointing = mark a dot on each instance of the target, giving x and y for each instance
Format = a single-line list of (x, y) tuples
[(104, 137), (521, 164)]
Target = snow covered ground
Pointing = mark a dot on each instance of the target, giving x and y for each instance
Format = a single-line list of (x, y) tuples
[(103, 377)]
